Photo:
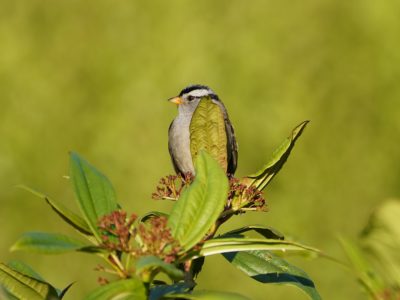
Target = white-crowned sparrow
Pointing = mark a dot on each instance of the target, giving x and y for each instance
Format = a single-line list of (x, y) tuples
[(179, 134)]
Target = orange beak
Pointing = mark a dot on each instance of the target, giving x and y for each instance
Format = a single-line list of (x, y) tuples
[(177, 100)]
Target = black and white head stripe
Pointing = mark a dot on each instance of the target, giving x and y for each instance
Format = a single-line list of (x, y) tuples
[(198, 90)]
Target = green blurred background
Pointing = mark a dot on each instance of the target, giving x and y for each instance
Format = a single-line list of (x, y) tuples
[(94, 76)]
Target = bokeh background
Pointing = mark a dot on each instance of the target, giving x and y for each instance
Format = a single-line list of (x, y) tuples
[(94, 76)]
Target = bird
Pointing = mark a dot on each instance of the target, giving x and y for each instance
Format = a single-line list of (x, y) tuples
[(179, 135)]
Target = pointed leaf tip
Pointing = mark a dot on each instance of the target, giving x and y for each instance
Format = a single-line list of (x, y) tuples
[(47, 243), (65, 213), (266, 267), (279, 157)]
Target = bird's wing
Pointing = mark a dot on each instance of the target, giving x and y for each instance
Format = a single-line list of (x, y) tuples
[(231, 145), (231, 148)]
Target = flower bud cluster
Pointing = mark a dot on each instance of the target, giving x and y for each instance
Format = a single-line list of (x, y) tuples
[(171, 186), (153, 237), (242, 197)]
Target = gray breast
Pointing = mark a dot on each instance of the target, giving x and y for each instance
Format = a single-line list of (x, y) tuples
[(179, 143)]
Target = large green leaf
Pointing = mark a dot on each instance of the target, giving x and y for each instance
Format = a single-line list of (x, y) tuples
[(207, 132), (49, 243), (25, 269), (95, 194), (129, 289), (266, 267), (24, 287), (6, 295), (229, 244), (65, 213), (207, 295), (200, 204), (278, 159), (152, 265)]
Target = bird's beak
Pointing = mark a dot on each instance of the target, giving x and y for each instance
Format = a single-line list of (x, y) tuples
[(177, 100)]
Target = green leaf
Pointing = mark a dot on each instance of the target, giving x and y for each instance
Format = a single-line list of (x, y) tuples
[(95, 194), (207, 132), (157, 292), (279, 157), (265, 231), (65, 213), (62, 293), (380, 241), (200, 204), (150, 215), (228, 244), (368, 277), (25, 287), (49, 243), (207, 295), (153, 265), (6, 295), (24, 269), (129, 289), (266, 267)]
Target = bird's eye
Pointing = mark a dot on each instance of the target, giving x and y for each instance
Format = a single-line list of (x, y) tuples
[(190, 98)]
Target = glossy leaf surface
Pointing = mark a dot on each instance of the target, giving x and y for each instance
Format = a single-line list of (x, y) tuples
[(154, 264), (200, 204), (129, 289), (24, 269), (24, 287), (94, 192), (278, 159), (229, 244), (48, 243), (266, 267)]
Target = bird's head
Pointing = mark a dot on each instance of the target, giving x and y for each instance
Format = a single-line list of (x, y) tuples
[(189, 97)]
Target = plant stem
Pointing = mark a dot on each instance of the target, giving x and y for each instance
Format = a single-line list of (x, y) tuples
[(119, 271), (127, 262), (110, 271), (170, 198), (117, 262)]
